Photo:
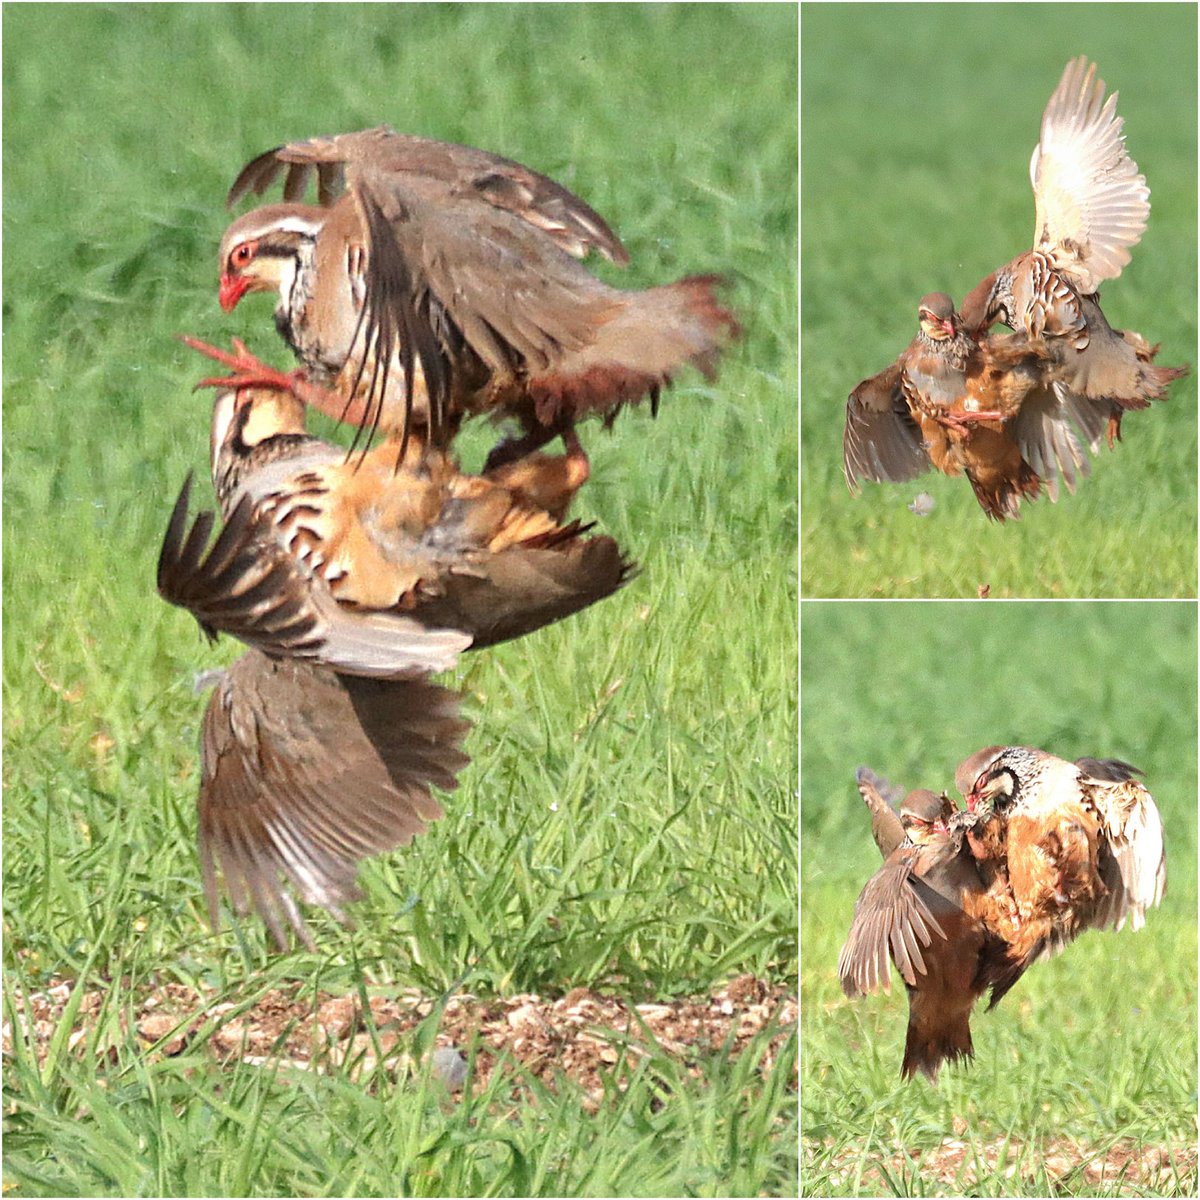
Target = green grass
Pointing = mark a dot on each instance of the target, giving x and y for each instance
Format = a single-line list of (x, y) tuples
[(1098, 1044), (918, 123), (628, 820)]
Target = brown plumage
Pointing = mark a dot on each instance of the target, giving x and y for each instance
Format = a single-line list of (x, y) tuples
[(248, 585), (968, 900), (352, 580), (1092, 207), (419, 544), (921, 911), (1076, 845), (443, 281), (990, 410), (304, 773)]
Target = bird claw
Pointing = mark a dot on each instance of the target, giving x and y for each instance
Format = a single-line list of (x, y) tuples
[(963, 419), (248, 370)]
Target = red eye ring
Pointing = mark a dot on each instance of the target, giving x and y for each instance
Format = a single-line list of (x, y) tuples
[(242, 256)]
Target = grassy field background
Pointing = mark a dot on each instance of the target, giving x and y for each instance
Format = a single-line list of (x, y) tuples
[(918, 122), (1094, 1049), (627, 823)]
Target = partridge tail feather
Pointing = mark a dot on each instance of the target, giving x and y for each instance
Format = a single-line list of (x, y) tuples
[(530, 585), (925, 1049), (1001, 499), (1155, 381), (649, 338)]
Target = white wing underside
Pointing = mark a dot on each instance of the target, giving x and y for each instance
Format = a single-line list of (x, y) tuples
[(1091, 202)]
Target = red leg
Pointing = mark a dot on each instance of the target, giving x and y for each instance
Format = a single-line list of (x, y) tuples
[(1114, 429), (581, 468), (249, 371)]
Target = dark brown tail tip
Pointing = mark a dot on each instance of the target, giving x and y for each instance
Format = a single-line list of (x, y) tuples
[(929, 1057), (703, 294)]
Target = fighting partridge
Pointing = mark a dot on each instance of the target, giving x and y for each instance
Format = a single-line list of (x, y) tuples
[(1079, 845), (434, 280), (986, 409), (385, 575), (1092, 205), (482, 555), (918, 910), (305, 771)]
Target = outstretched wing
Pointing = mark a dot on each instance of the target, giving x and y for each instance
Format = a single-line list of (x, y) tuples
[(246, 585), (304, 773), (1091, 202), (891, 919), (447, 168), (1044, 433), (882, 442), (470, 294)]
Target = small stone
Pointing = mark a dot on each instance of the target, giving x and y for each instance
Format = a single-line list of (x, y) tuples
[(450, 1067)]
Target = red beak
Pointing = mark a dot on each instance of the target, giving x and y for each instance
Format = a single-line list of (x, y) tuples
[(233, 288)]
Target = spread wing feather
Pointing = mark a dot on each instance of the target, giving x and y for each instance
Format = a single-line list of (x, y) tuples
[(249, 587)]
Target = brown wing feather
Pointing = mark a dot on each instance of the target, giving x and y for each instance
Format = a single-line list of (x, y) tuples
[(891, 919), (536, 320), (526, 587), (249, 587), (465, 171), (304, 773), (882, 442)]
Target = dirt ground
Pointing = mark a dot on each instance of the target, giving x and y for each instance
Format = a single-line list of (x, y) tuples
[(582, 1035), (1123, 1168)]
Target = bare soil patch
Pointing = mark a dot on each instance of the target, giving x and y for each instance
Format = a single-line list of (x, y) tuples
[(592, 1039)]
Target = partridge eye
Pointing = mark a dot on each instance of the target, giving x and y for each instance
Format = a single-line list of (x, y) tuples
[(243, 254)]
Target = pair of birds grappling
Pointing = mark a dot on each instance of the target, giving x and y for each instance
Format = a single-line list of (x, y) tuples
[(967, 900), (429, 283), (1008, 410)]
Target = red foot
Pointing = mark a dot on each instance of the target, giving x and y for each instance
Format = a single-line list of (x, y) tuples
[(248, 370), (581, 468), (966, 418), (1114, 430)]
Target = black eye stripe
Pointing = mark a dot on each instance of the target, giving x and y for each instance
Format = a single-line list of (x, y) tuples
[(265, 251)]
